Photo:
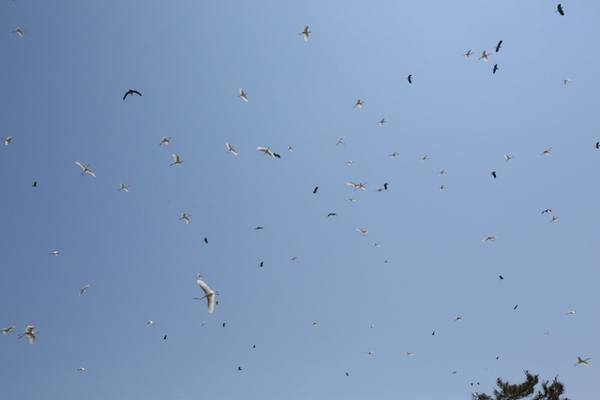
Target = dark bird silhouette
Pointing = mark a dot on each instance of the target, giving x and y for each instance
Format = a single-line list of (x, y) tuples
[(315, 190), (206, 240), (34, 184), (433, 333), (494, 174), (276, 155), (131, 92), (253, 346), (239, 368), (495, 68), (498, 46), (501, 277), (332, 215), (515, 307), (165, 338), (547, 210), (347, 374), (224, 324), (385, 185), (559, 9), (409, 78), (262, 264), (598, 145), (258, 228)]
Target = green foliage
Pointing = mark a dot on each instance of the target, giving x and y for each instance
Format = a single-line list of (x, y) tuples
[(507, 391)]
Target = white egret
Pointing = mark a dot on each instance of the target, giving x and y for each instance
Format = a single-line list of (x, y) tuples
[(19, 32), (242, 95), (582, 361), (290, 148), (29, 333), (363, 231), (394, 154), (565, 81), (484, 56), (359, 103), (441, 188), (176, 160), (8, 329), (409, 353), (80, 369), (546, 152), (185, 217), (507, 157), (266, 150), (571, 312), (376, 244), (349, 162), (491, 237), (351, 200), (554, 218), (85, 169), (305, 33), (55, 253), (468, 53), (150, 322), (381, 121), (83, 289), (209, 295), (315, 323), (7, 140), (123, 187), (165, 140), (230, 149), (458, 318), (372, 326), (368, 353), (358, 185)]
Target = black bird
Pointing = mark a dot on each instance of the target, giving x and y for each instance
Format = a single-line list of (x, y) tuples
[(433, 333), (34, 184), (253, 346), (332, 215), (497, 357), (347, 374), (498, 46), (239, 368), (224, 324), (495, 68), (165, 338), (315, 190), (501, 277), (515, 307), (598, 145), (409, 78), (547, 210), (494, 174), (276, 155), (262, 264), (206, 240), (258, 228), (385, 186), (559, 9), (131, 92)]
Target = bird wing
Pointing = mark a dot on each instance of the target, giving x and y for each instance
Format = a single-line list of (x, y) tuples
[(207, 291), (136, 92), (83, 167), (89, 171), (126, 93)]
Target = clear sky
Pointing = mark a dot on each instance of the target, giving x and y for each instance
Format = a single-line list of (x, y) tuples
[(61, 100)]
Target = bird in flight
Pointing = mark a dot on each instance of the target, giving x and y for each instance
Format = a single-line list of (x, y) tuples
[(559, 9), (498, 46), (554, 218), (54, 253), (130, 92), (495, 68), (19, 32), (230, 149), (492, 238), (243, 95), (571, 312), (442, 172), (209, 295), (123, 187), (394, 154), (368, 353), (546, 152), (515, 307), (468, 53), (176, 160), (494, 174), (205, 240), (598, 145), (165, 140), (29, 333), (315, 190), (565, 81), (305, 33), (358, 185), (459, 318), (547, 210), (150, 322), (507, 157), (185, 217), (7, 330), (581, 361), (501, 277), (484, 56), (83, 289), (409, 78), (332, 215), (363, 231), (85, 169), (359, 103), (266, 150), (7, 140), (258, 228), (341, 141), (385, 185), (34, 184), (80, 369), (441, 188), (381, 121)]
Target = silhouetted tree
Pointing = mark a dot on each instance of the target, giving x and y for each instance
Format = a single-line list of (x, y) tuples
[(507, 391)]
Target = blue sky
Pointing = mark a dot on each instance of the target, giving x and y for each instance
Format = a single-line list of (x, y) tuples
[(62, 102)]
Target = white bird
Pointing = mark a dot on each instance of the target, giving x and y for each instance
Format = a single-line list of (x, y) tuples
[(290, 148), (202, 323), (7, 140), (363, 231), (294, 258), (209, 295), (243, 95), (581, 361), (352, 200), (485, 239), (372, 326), (176, 160), (150, 322), (468, 54), (8, 329), (394, 154), (409, 353), (368, 353), (185, 217), (359, 103), (80, 369), (441, 188), (358, 185), (315, 323), (85, 169), (571, 312), (349, 162), (565, 81), (83, 289), (459, 318), (123, 187), (305, 33), (266, 150), (376, 245), (230, 149), (20, 32), (507, 157), (341, 141), (554, 218), (29, 333), (165, 140), (546, 333), (484, 56), (546, 152), (54, 253), (381, 121)]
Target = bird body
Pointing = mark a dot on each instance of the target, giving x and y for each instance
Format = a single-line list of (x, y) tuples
[(507, 157), (131, 92), (7, 140), (409, 78), (29, 333), (381, 121), (185, 217), (484, 56), (358, 185), (123, 187), (85, 169), (305, 33), (468, 53), (582, 361), (19, 32), (165, 140), (546, 152), (242, 95), (363, 231), (230, 149), (495, 68), (7, 330), (359, 103), (315, 190), (492, 238), (176, 160), (266, 150), (559, 9), (83, 289), (498, 46), (209, 295), (494, 174)]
